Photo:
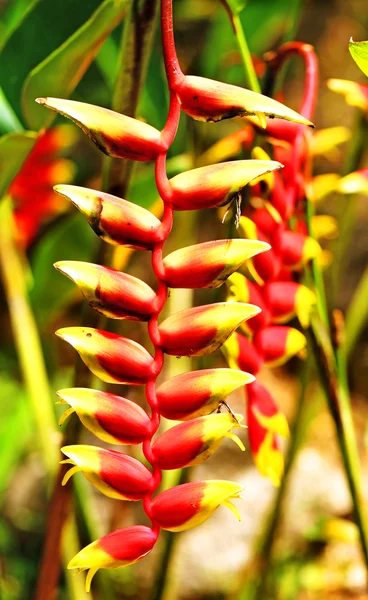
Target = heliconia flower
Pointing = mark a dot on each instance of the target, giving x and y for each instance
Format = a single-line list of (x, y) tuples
[(216, 185), (209, 100), (34, 201), (117, 549), (265, 217), (114, 294), (115, 134), (198, 393), (321, 186), (277, 344), (355, 94), (286, 299), (240, 289), (113, 358), (267, 266), (209, 264), (192, 442), (241, 354), (202, 330), (113, 419), (265, 424), (190, 504), (115, 220), (324, 142), (354, 183), (114, 474), (298, 249)]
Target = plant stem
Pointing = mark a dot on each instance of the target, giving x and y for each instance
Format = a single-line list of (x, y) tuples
[(251, 78), (27, 341), (356, 316), (256, 576)]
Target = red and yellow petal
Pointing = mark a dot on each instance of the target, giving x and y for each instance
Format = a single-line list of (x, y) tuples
[(114, 294), (112, 358), (113, 419), (198, 393), (209, 264), (192, 442), (216, 185), (117, 549), (115, 134), (202, 330), (114, 474), (116, 221), (190, 504), (277, 344), (209, 100)]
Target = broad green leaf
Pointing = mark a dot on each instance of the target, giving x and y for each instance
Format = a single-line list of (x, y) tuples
[(60, 72), (70, 239), (8, 119), (44, 27), (15, 429), (14, 149), (359, 52)]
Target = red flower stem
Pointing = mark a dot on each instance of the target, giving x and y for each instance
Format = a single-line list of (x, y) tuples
[(164, 188), (173, 71), (307, 53)]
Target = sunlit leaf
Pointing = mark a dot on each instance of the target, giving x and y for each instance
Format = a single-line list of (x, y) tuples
[(14, 148), (236, 6), (44, 26), (60, 72), (359, 52)]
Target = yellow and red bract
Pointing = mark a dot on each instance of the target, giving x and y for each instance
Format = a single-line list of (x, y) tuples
[(190, 504)]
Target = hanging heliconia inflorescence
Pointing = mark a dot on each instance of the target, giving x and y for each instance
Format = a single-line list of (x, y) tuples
[(199, 331), (276, 215)]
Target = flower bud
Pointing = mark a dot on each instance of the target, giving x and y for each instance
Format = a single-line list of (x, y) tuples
[(113, 358), (267, 265), (190, 504), (265, 424), (240, 289), (287, 299), (324, 142), (355, 94), (241, 354), (277, 344), (192, 442), (117, 549), (114, 294), (209, 264), (115, 134), (116, 221), (198, 393), (216, 185), (208, 100), (202, 330), (321, 186), (114, 474), (113, 419), (298, 249)]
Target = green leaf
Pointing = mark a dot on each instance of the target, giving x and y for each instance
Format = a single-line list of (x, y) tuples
[(14, 149), (8, 119), (15, 429), (359, 52), (70, 239), (44, 26), (60, 72)]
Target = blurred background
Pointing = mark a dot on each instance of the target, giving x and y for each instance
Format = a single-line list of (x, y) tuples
[(301, 538)]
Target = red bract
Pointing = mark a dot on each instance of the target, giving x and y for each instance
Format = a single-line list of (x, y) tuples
[(196, 331)]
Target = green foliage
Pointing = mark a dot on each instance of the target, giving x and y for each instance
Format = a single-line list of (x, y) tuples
[(359, 52), (14, 148)]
